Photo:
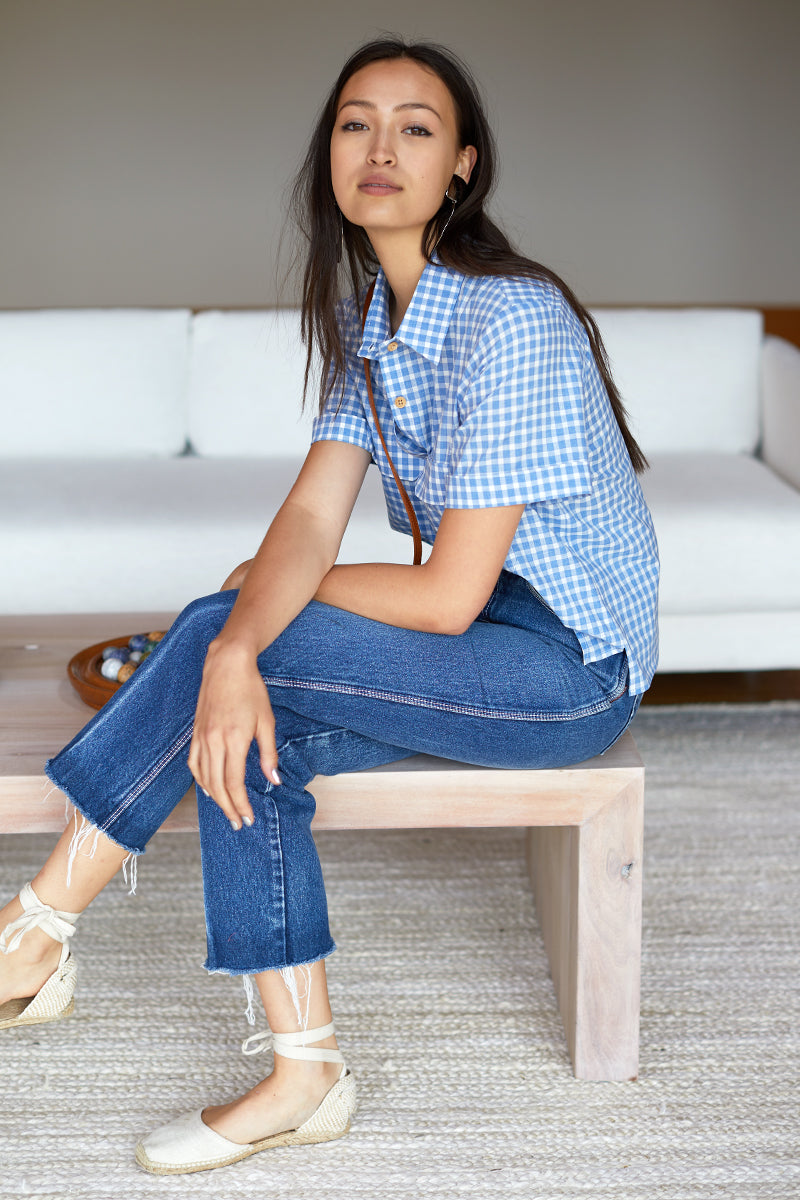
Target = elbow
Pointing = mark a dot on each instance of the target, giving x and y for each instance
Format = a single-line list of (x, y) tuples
[(456, 628), (452, 621), (451, 608)]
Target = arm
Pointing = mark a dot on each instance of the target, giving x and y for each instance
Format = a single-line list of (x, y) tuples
[(446, 593), (299, 549)]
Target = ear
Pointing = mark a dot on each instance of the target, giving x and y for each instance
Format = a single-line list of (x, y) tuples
[(465, 163)]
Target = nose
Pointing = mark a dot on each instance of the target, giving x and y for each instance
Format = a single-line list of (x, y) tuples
[(381, 151)]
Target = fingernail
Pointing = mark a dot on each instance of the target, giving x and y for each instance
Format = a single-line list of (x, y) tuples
[(235, 825), (248, 821), (274, 776)]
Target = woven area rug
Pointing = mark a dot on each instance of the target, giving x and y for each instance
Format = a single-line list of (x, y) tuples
[(447, 1014)]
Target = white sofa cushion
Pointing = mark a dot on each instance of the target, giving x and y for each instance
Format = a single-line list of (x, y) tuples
[(246, 379), (93, 536), (752, 641), (246, 385), (689, 377), (728, 534), (93, 382)]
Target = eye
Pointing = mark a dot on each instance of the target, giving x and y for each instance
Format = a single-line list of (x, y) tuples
[(354, 125), (417, 130)]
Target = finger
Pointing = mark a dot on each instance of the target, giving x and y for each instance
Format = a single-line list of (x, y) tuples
[(227, 777), (195, 764), (235, 765), (199, 764), (268, 753), (215, 786)]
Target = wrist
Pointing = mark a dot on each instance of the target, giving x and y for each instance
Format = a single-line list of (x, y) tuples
[(233, 648)]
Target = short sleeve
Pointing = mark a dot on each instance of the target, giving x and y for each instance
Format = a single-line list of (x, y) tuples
[(343, 419), (521, 436)]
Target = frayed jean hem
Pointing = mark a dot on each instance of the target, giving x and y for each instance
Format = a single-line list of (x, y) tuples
[(78, 806), (284, 966)]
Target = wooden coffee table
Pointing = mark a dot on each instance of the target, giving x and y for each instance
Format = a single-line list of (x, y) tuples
[(584, 825)]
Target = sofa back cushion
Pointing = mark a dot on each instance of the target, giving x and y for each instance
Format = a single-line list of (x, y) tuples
[(246, 385), (93, 382), (689, 377)]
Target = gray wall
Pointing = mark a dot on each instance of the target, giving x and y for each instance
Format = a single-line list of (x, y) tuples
[(649, 149)]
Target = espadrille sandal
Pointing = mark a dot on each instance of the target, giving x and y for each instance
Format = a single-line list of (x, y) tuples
[(56, 997), (188, 1144)]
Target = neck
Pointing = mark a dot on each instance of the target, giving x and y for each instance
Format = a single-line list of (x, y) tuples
[(403, 262)]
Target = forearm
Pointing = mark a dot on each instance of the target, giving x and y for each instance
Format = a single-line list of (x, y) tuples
[(408, 597), (295, 555), (445, 594)]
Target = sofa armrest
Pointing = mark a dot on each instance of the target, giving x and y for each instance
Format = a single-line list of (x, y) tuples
[(780, 398)]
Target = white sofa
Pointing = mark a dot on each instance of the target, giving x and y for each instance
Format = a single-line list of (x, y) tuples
[(145, 451)]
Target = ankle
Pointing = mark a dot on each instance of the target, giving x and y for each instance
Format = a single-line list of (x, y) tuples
[(300, 1073), (303, 1085), (34, 948), (37, 924)]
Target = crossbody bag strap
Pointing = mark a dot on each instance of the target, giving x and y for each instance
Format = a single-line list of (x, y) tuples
[(409, 507)]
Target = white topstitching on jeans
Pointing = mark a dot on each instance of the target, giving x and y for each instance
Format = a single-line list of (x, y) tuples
[(147, 779), (466, 710)]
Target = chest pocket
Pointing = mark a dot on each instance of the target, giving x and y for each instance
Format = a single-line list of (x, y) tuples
[(407, 444)]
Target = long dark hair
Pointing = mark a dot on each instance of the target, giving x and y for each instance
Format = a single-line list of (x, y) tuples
[(472, 244)]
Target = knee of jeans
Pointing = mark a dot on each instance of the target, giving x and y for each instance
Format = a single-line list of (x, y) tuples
[(204, 618)]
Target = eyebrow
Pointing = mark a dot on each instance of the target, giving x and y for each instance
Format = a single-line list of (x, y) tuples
[(397, 108)]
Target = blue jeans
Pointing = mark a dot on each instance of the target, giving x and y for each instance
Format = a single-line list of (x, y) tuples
[(347, 693)]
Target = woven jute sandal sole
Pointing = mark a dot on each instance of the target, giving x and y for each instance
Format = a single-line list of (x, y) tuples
[(12, 1014), (54, 1000)]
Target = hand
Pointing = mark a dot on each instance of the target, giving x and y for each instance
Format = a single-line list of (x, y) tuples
[(233, 708)]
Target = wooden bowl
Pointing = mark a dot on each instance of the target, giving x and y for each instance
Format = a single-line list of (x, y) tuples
[(83, 672)]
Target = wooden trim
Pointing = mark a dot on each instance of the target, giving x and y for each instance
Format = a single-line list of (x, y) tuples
[(723, 687), (783, 322)]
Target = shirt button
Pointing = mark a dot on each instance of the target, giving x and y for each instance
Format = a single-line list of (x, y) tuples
[(400, 402), (392, 346)]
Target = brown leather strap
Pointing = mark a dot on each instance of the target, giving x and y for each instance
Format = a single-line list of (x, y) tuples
[(403, 493)]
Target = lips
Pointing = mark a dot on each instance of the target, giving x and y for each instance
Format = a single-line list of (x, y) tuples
[(377, 185)]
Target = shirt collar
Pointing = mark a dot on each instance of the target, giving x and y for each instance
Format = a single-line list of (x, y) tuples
[(427, 320)]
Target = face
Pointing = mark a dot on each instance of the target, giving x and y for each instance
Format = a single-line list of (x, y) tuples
[(395, 148)]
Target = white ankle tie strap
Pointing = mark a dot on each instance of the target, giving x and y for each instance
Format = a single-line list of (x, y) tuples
[(56, 924), (295, 1045)]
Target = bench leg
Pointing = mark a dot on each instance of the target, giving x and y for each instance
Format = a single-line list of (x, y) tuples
[(587, 884)]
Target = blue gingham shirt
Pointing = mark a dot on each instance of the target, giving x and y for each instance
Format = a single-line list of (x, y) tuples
[(489, 395)]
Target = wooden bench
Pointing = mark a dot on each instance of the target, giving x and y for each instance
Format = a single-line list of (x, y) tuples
[(584, 826)]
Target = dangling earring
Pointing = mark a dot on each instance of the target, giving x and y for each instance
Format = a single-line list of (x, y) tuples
[(454, 201), (340, 251)]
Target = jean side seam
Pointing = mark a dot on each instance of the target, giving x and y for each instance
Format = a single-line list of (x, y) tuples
[(465, 710), (634, 709), (147, 779), (276, 853)]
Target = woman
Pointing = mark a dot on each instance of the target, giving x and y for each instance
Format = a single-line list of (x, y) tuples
[(526, 639)]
